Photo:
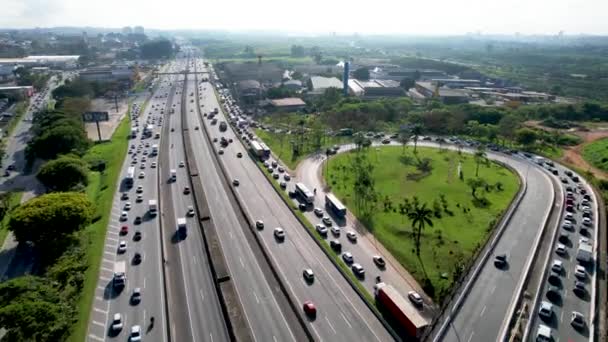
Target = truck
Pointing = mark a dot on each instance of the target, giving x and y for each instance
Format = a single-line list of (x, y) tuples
[(223, 126), (182, 227), (133, 132), (120, 274), (585, 253), (257, 149), (405, 315), (154, 150), (153, 207)]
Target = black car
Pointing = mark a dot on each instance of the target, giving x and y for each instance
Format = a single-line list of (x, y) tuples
[(555, 172), (125, 196), (564, 237), (137, 236), (500, 260), (579, 288), (137, 220), (136, 259), (335, 245)]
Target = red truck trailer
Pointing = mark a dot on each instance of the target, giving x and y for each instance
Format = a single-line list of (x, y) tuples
[(400, 309)]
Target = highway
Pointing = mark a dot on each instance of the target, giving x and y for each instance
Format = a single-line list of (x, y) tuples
[(341, 314), (194, 309), (147, 275), (568, 301), (265, 317)]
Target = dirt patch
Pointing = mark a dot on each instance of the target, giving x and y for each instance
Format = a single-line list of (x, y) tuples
[(106, 128)]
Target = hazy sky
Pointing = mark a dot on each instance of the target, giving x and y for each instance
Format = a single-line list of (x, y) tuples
[(419, 17)]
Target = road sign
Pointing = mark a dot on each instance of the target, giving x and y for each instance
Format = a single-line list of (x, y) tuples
[(95, 116)]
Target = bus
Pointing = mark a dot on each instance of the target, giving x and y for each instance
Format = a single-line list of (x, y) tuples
[(257, 149), (266, 149), (302, 191), (130, 176), (335, 205)]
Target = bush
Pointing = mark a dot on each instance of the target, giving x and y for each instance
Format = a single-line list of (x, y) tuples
[(64, 174)]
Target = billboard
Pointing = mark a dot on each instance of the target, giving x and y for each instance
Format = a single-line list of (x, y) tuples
[(95, 116)]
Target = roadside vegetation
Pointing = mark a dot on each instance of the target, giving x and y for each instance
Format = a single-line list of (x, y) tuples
[(457, 196), (8, 202), (596, 153)]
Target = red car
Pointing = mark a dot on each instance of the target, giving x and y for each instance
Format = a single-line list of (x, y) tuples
[(124, 230), (310, 309)]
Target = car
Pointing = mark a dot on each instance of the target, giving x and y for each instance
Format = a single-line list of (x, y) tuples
[(309, 309), (142, 174), (335, 230), (336, 245), (220, 151), (239, 155), (326, 220), (142, 166), (124, 196), (553, 294), (280, 169), (235, 182), (557, 266), (275, 175), (137, 220), (283, 185), (190, 211), (214, 139), (127, 206), (560, 249), (579, 288), (318, 212), (309, 276), (347, 257), (140, 189), (287, 177), (555, 279), (136, 296), (415, 298), (546, 310), (186, 190), (259, 224), (136, 259), (279, 233), (352, 236), (321, 229), (379, 261), (124, 216), (139, 198), (587, 221), (122, 246), (137, 235), (567, 225), (358, 270), (569, 216), (564, 237), (580, 272), (274, 163), (117, 323), (500, 260), (124, 230), (135, 335), (577, 320), (181, 164)]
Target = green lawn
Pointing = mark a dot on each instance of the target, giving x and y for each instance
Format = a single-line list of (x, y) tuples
[(454, 239), (15, 200), (596, 153), (101, 191), (280, 144)]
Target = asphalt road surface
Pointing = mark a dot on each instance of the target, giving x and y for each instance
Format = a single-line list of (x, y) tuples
[(341, 313)]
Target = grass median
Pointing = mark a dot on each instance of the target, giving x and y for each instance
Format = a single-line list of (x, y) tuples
[(461, 222), (596, 153), (100, 191)]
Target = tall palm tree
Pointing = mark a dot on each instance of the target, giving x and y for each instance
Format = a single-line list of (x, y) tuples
[(480, 155), (416, 132), (420, 217), (404, 137)]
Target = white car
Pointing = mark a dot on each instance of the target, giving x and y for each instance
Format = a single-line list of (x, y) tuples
[(142, 174), (557, 266), (321, 229), (181, 164), (587, 221), (318, 212), (153, 165), (580, 272), (415, 298), (351, 235), (560, 249), (190, 211), (127, 206), (279, 233), (117, 323), (124, 216), (546, 310), (122, 246), (259, 224), (135, 333), (347, 257), (335, 230), (140, 189)]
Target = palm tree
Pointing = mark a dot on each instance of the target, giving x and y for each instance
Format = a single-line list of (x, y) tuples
[(480, 155), (416, 132), (420, 216), (403, 139)]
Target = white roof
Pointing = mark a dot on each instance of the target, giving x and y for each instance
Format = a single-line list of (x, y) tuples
[(319, 82)]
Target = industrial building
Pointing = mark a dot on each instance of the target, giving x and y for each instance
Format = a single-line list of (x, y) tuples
[(249, 90), (290, 104), (374, 88), (318, 84), (396, 73), (428, 90), (55, 62), (107, 74)]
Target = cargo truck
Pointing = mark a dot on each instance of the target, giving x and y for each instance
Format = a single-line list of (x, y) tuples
[(120, 275), (405, 315), (153, 207), (585, 253)]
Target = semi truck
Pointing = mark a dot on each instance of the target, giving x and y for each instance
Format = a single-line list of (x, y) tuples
[(120, 274), (585, 253), (153, 207), (223, 126), (404, 313)]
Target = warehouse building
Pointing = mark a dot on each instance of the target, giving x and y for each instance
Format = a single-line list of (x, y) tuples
[(318, 84), (374, 88)]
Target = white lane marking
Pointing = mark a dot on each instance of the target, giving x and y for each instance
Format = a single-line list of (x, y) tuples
[(105, 278), (111, 239), (492, 290), (471, 336), (561, 316), (99, 298), (96, 338), (331, 326), (211, 336), (241, 260), (231, 235), (98, 323), (108, 261), (194, 260), (101, 311), (107, 269), (316, 333), (256, 297), (202, 295), (112, 233), (109, 253), (144, 282), (345, 320), (274, 338)]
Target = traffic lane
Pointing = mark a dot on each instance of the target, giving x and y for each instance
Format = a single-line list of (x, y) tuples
[(342, 304), (517, 241), (250, 283)]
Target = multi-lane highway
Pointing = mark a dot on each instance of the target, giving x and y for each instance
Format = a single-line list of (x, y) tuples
[(341, 314)]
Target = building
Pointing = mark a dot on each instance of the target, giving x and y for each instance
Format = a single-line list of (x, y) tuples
[(396, 73), (429, 90), (138, 30), (108, 74), (293, 85), (318, 84), (249, 90), (127, 30), (56, 62), (374, 88), (456, 82), (290, 104), (6, 73), (19, 90)]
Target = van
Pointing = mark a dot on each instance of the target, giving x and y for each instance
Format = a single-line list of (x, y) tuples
[(182, 227), (543, 334), (172, 175)]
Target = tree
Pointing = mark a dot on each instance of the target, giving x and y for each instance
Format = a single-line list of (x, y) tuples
[(416, 132), (404, 138), (507, 126), (420, 217), (60, 140), (474, 184), (526, 136), (297, 51), (364, 185), (49, 220), (480, 155), (64, 174), (407, 83), (155, 49), (361, 74)]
